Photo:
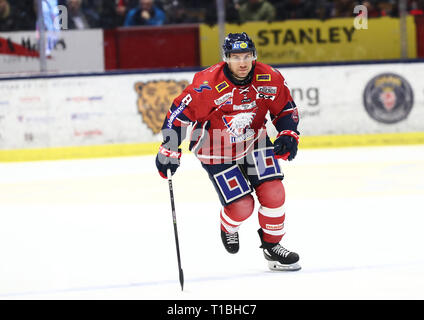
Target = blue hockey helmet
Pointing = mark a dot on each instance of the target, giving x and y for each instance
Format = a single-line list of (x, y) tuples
[(238, 43)]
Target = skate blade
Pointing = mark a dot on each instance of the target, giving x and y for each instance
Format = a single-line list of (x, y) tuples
[(276, 266)]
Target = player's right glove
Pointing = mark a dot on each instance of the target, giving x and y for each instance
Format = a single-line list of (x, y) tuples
[(167, 159), (285, 146)]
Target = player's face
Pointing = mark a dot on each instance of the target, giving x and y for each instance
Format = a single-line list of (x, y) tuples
[(240, 64)]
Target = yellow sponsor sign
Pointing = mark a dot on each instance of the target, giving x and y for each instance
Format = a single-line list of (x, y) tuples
[(308, 41)]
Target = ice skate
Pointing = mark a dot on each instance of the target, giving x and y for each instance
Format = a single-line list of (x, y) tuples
[(279, 258), (230, 241)]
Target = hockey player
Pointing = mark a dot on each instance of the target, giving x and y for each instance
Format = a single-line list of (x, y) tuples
[(227, 104)]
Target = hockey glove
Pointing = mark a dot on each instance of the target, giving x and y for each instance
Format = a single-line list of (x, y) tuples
[(285, 146), (167, 159)]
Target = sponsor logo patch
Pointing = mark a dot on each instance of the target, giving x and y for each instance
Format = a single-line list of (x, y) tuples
[(274, 226), (245, 106), (263, 77), (223, 85), (265, 163), (175, 114), (267, 89), (225, 98), (260, 95), (232, 184), (239, 45), (203, 86)]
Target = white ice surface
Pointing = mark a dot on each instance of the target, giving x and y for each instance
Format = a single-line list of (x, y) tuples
[(102, 229)]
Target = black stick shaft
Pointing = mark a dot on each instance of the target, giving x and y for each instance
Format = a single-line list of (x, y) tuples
[(174, 218)]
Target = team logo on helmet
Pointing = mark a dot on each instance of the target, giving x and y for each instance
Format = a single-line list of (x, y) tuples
[(155, 98), (388, 98)]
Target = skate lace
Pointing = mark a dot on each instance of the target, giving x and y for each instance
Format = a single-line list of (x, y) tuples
[(281, 251), (232, 238)]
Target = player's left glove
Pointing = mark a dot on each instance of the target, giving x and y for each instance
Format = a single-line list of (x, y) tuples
[(285, 146), (167, 159)]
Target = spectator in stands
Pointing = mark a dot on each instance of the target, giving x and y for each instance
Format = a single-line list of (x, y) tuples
[(147, 13), (7, 19), (79, 18), (295, 9), (25, 14), (113, 13), (417, 8), (257, 10), (231, 12), (94, 5), (324, 9), (12, 18), (372, 10), (385, 8), (185, 11), (343, 8), (177, 11)]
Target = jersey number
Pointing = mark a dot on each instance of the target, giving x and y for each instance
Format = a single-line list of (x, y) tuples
[(187, 99)]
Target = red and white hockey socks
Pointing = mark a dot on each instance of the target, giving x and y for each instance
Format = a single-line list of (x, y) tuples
[(271, 196), (235, 213), (272, 223)]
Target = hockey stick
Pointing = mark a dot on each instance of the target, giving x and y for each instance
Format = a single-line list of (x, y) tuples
[(174, 217)]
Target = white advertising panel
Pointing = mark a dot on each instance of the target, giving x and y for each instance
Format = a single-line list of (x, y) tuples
[(130, 108), (90, 110), (72, 51), (358, 99)]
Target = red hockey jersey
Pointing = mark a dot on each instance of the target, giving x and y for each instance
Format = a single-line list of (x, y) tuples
[(229, 119)]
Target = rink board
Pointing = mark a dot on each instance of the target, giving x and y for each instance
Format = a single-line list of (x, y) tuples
[(110, 115)]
